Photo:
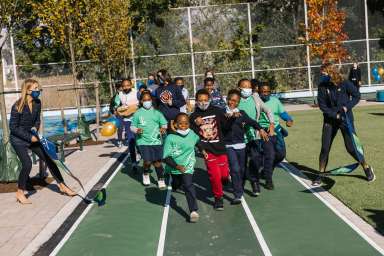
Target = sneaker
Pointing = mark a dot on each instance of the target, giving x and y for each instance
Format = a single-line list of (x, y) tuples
[(119, 144), (146, 179), (317, 180), (161, 184), (194, 217), (370, 174), (219, 204), (269, 185), (236, 201), (255, 188)]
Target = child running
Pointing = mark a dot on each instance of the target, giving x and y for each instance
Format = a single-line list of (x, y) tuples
[(179, 156), (252, 105), (208, 121), (234, 140), (149, 124)]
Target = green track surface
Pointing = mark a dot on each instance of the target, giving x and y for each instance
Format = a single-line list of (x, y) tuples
[(294, 222), (225, 232), (129, 223)]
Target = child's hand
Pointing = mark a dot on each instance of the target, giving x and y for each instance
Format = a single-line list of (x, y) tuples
[(180, 168), (264, 135), (205, 154), (289, 123), (139, 130), (199, 121), (163, 130), (271, 130), (237, 114)]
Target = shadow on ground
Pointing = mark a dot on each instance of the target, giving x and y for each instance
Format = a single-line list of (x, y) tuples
[(377, 216)]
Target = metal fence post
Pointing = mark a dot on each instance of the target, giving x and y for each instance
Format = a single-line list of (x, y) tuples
[(133, 59), (308, 53), (250, 39), (367, 43), (191, 51)]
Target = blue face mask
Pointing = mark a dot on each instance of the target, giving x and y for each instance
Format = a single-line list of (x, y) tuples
[(147, 104), (265, 98), (35, 94), (325, 79)]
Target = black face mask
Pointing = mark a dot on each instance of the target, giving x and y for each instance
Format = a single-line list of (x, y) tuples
[(126, 91)]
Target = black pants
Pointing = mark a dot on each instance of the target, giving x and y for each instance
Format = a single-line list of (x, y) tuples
[(236, 158), (190, 193), (280, 149), (261, 154), (26, 162), (330, 130)]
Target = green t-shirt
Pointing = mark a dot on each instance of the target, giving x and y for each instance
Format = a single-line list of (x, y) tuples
[(150, 120), (249, 107), (276, 107), (182, 151)]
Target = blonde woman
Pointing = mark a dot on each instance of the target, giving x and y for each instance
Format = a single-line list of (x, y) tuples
[(25, 117)]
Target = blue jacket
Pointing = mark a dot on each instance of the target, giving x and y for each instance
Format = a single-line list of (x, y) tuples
[(170, 91), (333, 98), (235, 134), (20, 124), (217, 99)]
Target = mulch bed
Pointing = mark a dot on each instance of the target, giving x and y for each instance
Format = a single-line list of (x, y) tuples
[(35, 183)]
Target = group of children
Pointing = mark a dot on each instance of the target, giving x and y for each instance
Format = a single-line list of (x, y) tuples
[(240, 138)]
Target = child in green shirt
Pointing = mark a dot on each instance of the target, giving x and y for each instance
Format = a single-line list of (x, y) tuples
[(149, 124), (179, 156)]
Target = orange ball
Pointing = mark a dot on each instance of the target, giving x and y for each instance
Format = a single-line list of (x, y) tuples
[(380, 71), (108, 129)]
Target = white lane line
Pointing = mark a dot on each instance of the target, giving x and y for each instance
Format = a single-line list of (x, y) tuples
[(256, 229), (339, 214), (87, 209), (164, 222)]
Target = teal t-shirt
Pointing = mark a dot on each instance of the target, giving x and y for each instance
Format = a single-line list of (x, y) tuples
[(276, 107), (249, 107), (182, 151), (150, 120)]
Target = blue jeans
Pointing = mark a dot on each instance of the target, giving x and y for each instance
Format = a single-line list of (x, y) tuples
[(236, 159), (129, 137)]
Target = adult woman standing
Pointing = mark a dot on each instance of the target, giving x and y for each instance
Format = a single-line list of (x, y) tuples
[(336, 99), (25, 117)]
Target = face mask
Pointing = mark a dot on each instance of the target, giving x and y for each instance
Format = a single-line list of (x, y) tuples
[(203, 105), (246, 92), (209, 75), (35, 94), (150, 82), (161, 81), (126, 91), (231, 111), (147, 104), (265, 98), (183, 132), (325, 79)]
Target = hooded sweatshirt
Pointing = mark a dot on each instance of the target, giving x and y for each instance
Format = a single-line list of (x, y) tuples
[(163, 94)]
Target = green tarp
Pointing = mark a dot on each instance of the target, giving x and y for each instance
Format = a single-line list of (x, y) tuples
[(9, 163), (83, 128)]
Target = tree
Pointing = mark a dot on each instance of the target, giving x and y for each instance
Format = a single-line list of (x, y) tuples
[(325, 31), (65, 21)]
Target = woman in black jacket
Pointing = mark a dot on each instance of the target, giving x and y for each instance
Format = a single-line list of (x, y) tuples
[(25, 117), (336, 99)]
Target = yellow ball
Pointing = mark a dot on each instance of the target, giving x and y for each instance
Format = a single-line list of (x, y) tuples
[(380, 71), (108, 129)]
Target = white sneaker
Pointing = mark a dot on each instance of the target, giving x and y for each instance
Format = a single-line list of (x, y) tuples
[(194, 217), (119, 144), (161, 184), (146, 180)]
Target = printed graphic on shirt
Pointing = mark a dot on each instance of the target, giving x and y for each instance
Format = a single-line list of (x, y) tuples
[(191, 160), (209, 130), (156, 136), (165, 96)]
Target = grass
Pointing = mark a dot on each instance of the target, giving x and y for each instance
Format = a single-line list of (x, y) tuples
[(303, 148)]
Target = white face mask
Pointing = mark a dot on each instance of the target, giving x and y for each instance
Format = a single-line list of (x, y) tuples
[(203, 105), (183, 132), (147, 104), (246, 92), (231, 111)]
